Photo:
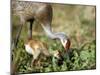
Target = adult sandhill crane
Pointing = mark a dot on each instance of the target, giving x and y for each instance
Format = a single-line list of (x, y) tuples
[(29, 11)]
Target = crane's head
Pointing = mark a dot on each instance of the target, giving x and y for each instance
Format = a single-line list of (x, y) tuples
[(66, 43), (64, 40)]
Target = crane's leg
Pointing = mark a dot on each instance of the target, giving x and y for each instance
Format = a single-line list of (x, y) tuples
[(15, 42), (30, 29), (18, 35)]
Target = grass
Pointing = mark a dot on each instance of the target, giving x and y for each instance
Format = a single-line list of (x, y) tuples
[(82, 58), (71, 20)]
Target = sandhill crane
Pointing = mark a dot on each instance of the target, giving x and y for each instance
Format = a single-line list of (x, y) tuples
[(29, 11)]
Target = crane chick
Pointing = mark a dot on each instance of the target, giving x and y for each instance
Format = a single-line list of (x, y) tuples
[(36, 47)]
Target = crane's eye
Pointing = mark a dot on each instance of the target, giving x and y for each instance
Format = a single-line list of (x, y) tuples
[(64, 41)]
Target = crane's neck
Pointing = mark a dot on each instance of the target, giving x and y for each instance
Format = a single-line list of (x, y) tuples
[(52, 35)]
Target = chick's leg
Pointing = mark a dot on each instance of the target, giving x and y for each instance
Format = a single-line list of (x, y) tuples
[(35, 58)]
